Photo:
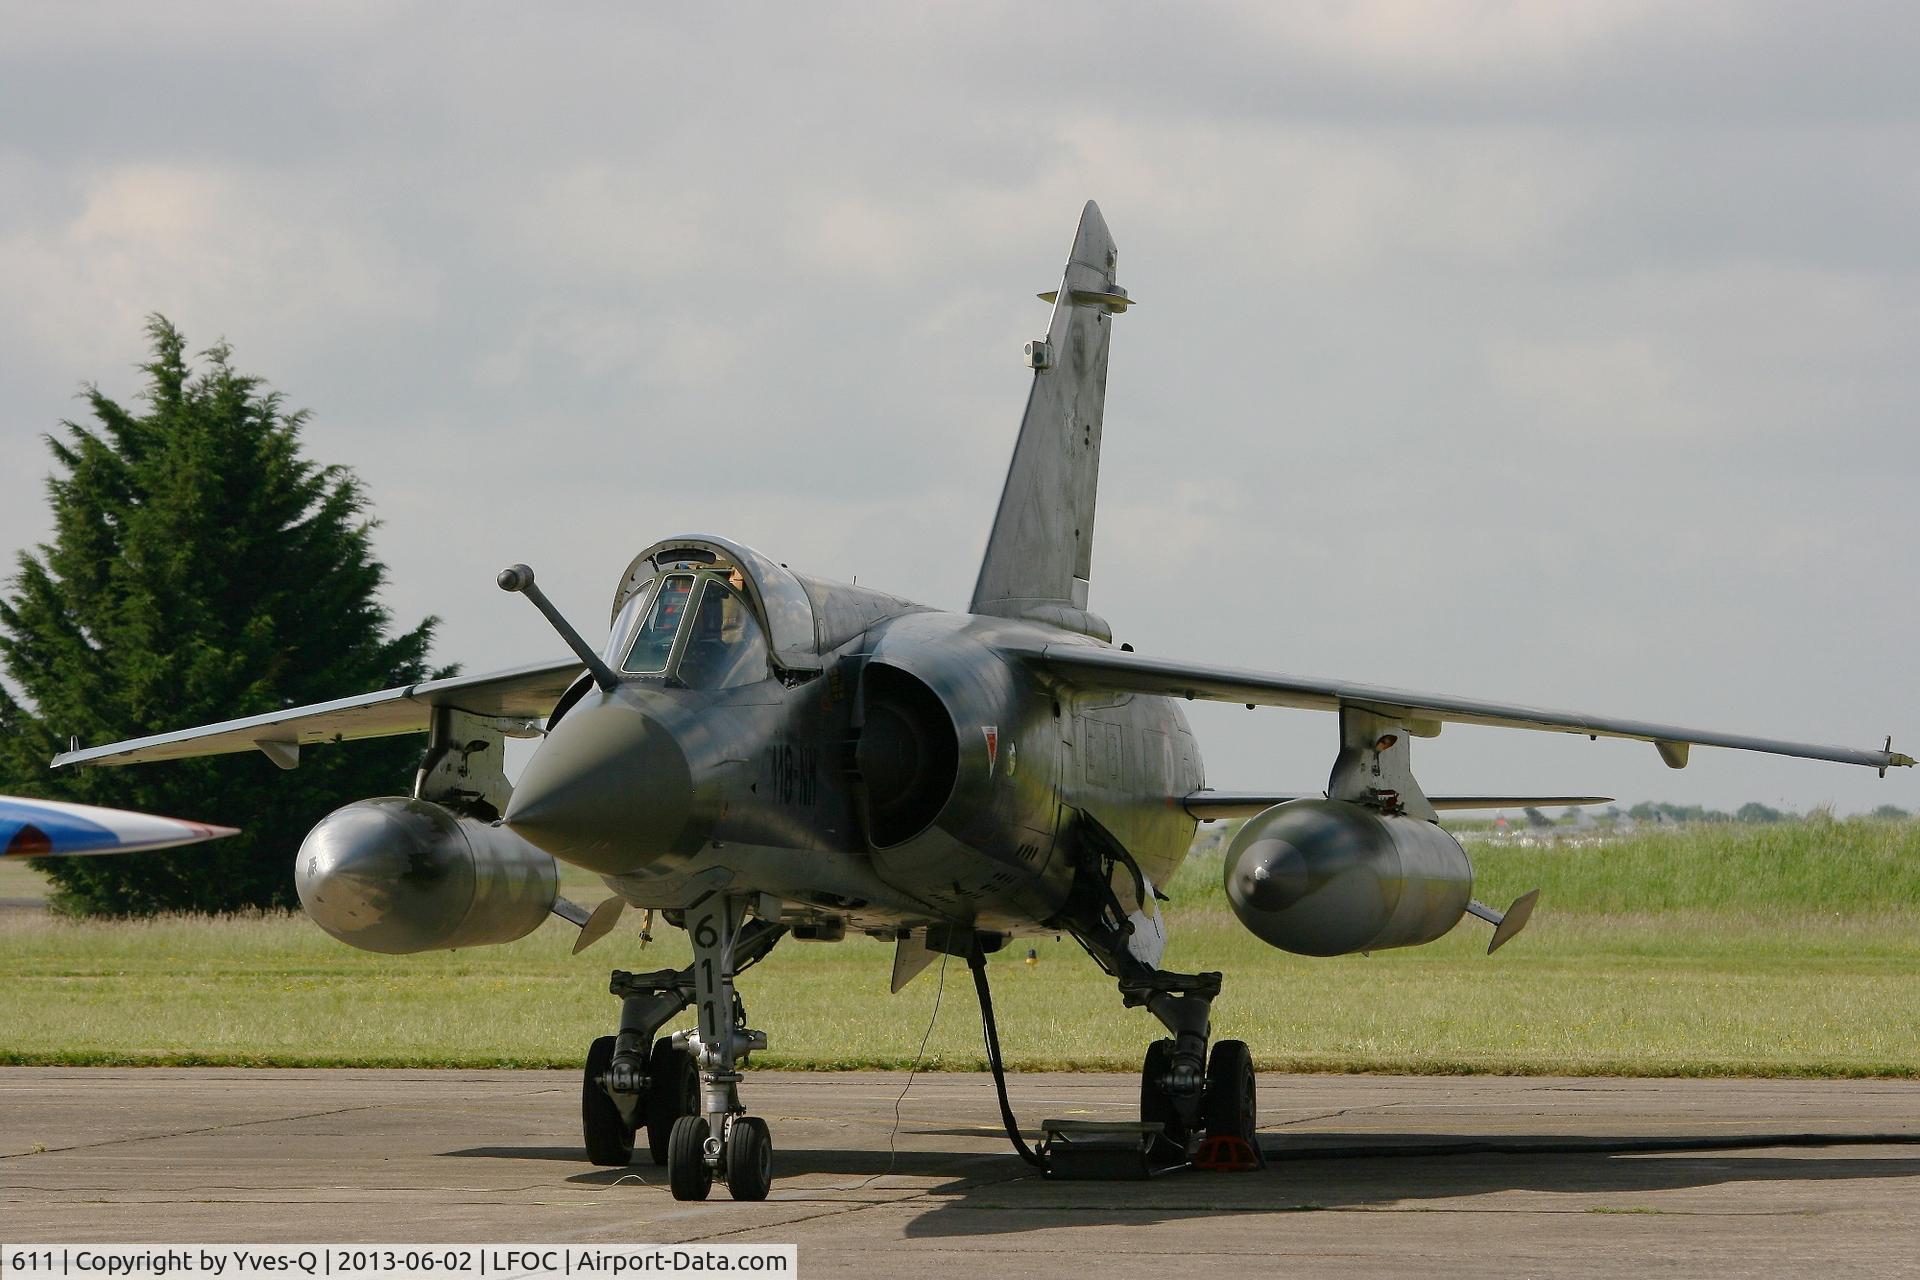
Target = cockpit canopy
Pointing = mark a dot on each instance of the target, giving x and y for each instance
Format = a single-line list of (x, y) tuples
[(745, 610), (710, 612), (693, 625)]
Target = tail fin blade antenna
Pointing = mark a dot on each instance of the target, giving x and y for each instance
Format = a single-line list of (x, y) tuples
[(1040, 555)]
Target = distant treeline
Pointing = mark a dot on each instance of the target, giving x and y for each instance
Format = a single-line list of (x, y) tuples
[(1752, 811)]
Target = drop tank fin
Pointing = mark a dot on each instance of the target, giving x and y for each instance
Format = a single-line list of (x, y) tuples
[(600, 923), (1508, 924)]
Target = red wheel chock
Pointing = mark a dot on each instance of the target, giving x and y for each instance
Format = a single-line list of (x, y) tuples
[(1227, 1153)]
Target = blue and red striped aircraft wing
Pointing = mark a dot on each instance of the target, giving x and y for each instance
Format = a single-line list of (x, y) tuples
[(53, 829)]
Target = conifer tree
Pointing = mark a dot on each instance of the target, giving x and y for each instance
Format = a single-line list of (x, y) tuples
[(201, 569)]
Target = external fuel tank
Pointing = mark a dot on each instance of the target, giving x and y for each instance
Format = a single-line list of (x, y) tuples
[(398, 875), (1325, 878)]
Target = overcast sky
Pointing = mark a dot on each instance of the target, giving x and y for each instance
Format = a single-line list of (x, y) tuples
[(1558, 352)]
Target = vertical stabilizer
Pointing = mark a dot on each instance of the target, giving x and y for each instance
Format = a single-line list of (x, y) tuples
[(1040, 555)]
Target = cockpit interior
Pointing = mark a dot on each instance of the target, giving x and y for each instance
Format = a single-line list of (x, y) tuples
[(707, 613), (691, 624)]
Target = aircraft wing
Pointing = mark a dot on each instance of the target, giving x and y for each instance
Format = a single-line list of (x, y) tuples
[(53, 829), (1423, 713), (1209, 805), (525, 693)]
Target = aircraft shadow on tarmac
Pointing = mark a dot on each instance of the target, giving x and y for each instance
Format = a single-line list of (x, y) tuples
[(1371, 1181), (570, 1155), (789, 1162), (995, 1195)]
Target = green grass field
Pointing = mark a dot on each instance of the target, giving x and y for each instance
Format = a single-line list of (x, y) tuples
[(1785, 950)]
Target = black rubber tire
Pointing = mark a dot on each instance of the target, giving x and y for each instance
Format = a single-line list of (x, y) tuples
[(673, 1090), (1156, 1104), (609, 1137), (687, 1171), (749, 1158), (1230, 1107)]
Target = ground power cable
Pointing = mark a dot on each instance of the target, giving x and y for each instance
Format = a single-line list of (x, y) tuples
[(990, 1031)]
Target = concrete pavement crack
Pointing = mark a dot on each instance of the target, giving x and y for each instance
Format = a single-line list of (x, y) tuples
[(211, 1128), (181, 1133), (1330, 1115)]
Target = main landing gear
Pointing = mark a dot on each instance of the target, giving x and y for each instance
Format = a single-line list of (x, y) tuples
[(670, 1089), (1196, 1109), (1224, 1137), (1200, 1105), (1204, 1103), (684, 1091)]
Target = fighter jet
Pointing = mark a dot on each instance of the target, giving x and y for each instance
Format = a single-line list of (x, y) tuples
[(1578, 824), (52, 829), (754, 752)]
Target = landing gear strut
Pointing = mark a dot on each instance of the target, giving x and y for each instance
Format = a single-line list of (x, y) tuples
[(1173, 1079), (1175, 1084), (1185, 1097), (722, 1138), (633, 1080)]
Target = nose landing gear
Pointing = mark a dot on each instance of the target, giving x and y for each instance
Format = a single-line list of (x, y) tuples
[(723, 1139), (685, 1091), (745, 1156)]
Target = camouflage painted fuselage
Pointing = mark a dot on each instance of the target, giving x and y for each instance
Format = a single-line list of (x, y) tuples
[(922, 776)]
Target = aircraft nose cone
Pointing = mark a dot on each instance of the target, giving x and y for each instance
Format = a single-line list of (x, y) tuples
[(608, 789)]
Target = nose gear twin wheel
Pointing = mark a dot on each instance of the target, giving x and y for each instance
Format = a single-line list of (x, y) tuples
[(608, 1135), (687, 1170), (749, 1158)]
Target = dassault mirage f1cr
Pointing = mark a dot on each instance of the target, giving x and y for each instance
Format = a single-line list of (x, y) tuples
[(754, 753)]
